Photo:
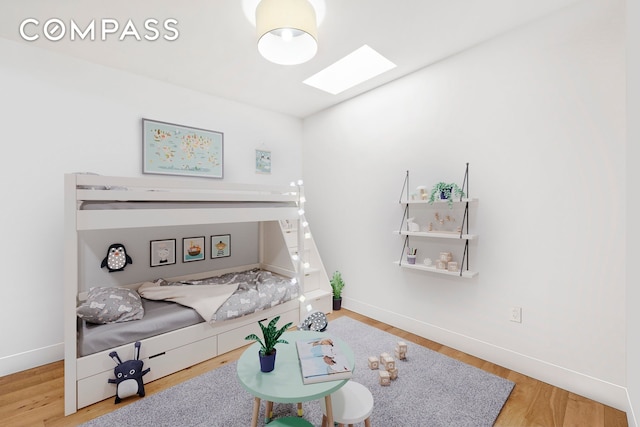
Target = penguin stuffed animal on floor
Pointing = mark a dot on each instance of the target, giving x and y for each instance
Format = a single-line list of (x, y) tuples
[(117, 258), (129, 375)]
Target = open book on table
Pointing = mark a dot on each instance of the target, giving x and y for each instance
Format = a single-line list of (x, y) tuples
[(321, 360)]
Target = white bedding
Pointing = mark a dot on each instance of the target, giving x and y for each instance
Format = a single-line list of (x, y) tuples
[(205, 299)]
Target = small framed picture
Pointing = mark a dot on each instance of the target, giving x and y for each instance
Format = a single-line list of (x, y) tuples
[(221, 246), (193, 249), (263, 161), (163, 252)]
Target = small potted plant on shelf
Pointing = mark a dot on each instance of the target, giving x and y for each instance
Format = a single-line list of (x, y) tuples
[(337, 284), (271, 335), (445, 191)]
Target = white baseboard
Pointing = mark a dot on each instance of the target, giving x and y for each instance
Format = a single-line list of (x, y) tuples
[(593, 388), (31, 359)]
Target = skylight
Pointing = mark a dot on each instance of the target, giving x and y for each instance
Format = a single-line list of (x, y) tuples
[(357, 67)]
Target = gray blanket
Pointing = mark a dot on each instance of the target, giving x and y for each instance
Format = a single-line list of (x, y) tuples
[(227, 296)]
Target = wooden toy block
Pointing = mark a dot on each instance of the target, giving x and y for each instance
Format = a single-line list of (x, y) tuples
[(389, 363), (382, 356), (400, 356), (393, 373), (385, 378), (373, 362), (402, 347)]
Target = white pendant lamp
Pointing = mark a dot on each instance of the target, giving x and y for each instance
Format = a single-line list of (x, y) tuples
[(287, 31)]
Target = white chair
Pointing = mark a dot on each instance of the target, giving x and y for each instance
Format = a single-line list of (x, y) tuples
[(351, 404)]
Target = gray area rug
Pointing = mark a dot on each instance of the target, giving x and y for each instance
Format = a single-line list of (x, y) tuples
[(432, 390)]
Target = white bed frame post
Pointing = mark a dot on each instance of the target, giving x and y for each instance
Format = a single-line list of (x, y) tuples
[(301, 261), (70, 283)]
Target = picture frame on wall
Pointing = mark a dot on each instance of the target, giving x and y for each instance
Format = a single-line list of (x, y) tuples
[(193, 249), (172, 149), (220, 246), (263, 161), (162, 252)]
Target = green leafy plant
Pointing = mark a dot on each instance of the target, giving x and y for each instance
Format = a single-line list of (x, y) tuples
[(271, 335), (337, 284), (446, 191)]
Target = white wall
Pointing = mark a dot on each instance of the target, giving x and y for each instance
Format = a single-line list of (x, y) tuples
[(539, 113), (633, 209), (62, 115)]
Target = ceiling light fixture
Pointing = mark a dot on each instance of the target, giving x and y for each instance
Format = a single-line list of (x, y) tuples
[(287, 31)]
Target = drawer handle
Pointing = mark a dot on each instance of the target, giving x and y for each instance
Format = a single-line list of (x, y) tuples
[(157, 355)]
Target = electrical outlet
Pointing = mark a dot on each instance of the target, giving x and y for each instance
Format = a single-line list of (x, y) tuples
[(516, 314)]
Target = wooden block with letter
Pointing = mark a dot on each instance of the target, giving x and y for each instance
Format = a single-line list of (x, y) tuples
[(389, 363), (385, 378), (401, 350), (393, 373), (373, 362)]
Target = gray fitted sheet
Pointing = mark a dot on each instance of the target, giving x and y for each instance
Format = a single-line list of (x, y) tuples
[(159, 317)]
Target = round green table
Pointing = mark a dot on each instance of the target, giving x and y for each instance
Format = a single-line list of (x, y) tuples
[(284, 383)]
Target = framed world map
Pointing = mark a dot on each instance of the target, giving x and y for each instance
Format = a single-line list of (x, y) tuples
[(172, 149)]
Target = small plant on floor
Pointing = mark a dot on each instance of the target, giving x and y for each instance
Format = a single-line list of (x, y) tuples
[(271, 335), (445, 191), (337, 284)]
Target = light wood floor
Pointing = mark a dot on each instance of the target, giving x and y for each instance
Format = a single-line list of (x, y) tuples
[(36, 397)]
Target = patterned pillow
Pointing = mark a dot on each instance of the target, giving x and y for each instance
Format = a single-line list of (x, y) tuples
[(111, 305)]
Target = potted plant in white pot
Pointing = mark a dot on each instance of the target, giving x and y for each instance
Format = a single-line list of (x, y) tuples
[(337, 284), (445, 191), (271, 335)]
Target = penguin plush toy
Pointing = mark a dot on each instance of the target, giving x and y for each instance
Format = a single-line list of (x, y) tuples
[(117, 258), (129, 375)]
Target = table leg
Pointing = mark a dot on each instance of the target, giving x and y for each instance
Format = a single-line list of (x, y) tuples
[(256, 412), (268, 412), (300, 410), (327, 404)]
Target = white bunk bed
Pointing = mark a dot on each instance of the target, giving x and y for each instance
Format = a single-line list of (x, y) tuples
[(171, 202)]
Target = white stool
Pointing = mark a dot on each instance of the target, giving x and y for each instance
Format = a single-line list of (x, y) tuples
[(351, 404)]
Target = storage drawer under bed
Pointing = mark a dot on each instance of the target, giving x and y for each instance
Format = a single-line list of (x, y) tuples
[(96, 387)]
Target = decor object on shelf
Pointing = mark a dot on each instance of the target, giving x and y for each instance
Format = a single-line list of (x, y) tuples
[(412, 225), (271, 336), (445, 191), (128, 375), (446, 256), (427, 262), (171, 149), (422, 192), (116, 259), (411, 255), (287, 31), (337, 284)]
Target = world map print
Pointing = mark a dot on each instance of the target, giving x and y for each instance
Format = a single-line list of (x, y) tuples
[(181, 150)]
